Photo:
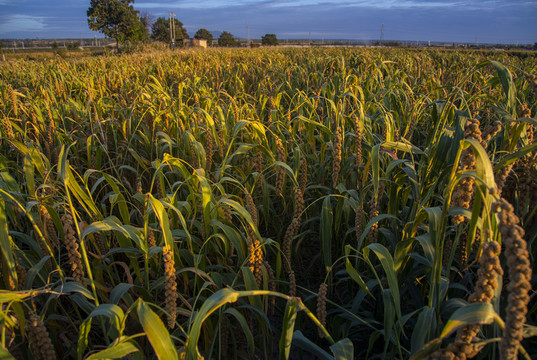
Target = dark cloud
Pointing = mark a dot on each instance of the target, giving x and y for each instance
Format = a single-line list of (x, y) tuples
[(435, 20)]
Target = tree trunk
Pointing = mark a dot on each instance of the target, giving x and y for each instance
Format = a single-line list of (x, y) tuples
[(117, 39)]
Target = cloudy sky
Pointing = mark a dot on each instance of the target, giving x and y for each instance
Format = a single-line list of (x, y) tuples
[(484, 21)]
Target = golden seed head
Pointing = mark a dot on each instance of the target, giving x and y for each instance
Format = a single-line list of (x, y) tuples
[(464, 190), (8, 128), (358, 222), (524, 110), (71, 245), (292, 284), (321, 305), (373, 212), (291, 231), (170, 285), (13, 101), (151, 240), (358, 135), (272, 286), (518, 263), (100, 243), (48, 226), (280, 172), (21, 276), (252, 209), (336, 165), (258, 166), (40, 342), (139, 185), (256, 259)]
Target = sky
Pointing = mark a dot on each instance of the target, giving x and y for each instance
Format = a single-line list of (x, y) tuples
[(472, 21)]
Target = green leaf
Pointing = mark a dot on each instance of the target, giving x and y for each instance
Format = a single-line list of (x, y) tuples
[(7, 261), (83, 335), (356, 277), (307, 345), (371, 222), (375, 168), (389, 317), (115, 351), (506, 79), (288, 326), (118, 292), (245, 329), (215, 301), (34, 270), (243, 213), (156, 332), (343, 350), (119, 199), (423, 329), (327, 216), (5, 355), (73, 286), (206, 199), (387, 264), (406, 147), (112, 223), (477, 313), (110, 311), (64, 170), (164, 222), (29, 174)]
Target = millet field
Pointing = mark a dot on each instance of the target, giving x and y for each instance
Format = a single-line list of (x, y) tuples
[(314, 203)]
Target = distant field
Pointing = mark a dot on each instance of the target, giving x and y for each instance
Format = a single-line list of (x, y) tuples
[(329, 203)]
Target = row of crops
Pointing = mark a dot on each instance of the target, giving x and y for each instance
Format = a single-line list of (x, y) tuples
[(254, 203)]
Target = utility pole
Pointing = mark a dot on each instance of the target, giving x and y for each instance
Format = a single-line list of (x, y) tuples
[(172, 28), (247, 34), (173, 25), (382, 33)]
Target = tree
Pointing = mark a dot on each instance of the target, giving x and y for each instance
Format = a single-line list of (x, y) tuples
[(160, 30), (204, 34), (116, 19), (269, 39), (73, 46), (147, 20), (226, 39)]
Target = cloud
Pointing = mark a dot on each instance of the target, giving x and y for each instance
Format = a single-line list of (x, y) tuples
[(21, 22), (379, 4)]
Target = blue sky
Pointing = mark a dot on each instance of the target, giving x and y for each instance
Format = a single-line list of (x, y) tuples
[(485, 21)]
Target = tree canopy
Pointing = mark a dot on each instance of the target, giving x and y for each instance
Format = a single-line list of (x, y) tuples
[(116, 19), (160, 30), (204, 34), (269, 39), (226, 39)]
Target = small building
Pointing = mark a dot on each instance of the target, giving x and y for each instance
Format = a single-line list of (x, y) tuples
[(195, 43)]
